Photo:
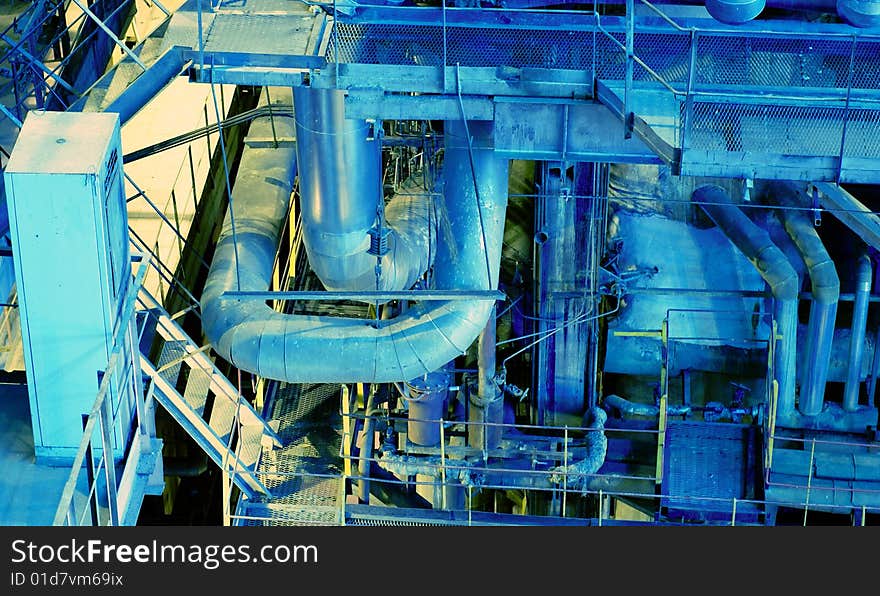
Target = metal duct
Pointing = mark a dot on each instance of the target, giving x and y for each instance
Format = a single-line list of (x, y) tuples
[(860, 13), (309, 349), (771, 263), (340, 166), (857, 339), (734, 12), (825, 288)]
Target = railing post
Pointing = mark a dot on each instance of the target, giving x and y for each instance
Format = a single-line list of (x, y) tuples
[(809, 480), (629, 117), (90, 480), (106, 422), (849, 83), (445, 47), (664, 392), (565, 471), (687, 125), (442, 466)]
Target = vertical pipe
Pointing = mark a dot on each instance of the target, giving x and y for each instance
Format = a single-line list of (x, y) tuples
[(857, 336), (825, 288), (776, 270), (489, 407), (339, 167), (477, 209), (366, 450)]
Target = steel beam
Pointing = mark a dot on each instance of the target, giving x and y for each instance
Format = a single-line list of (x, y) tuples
[(851, 212)]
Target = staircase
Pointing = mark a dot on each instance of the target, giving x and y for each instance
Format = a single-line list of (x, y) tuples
[(205, 403)]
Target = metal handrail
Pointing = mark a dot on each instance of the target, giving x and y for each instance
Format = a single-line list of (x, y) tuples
[(101, 416)]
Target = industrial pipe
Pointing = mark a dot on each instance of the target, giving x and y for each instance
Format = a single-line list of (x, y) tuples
[(857, 339), (825, 288), (577, 474), (776, 270), (631, 408), (734, 12), (860, 13), (310, 349), (346, 224)]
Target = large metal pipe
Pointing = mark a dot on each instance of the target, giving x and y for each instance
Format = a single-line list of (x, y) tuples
[(340, 165), (825, 288), (860, 13), (776, 270), (470, 189), (857, 339), (309, 349)]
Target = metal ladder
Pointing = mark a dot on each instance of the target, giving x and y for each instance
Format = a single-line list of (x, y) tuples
[(226, 427)]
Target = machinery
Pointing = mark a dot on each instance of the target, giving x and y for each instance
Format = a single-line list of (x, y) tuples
[(523, 262)]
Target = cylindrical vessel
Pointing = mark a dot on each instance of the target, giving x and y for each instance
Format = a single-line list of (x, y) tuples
[(427, 398)]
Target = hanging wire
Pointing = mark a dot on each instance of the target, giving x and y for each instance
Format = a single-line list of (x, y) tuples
[(467, 135), (226, 177)]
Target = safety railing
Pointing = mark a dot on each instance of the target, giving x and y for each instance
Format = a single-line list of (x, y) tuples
[(610, 507), (550, 450), (97, 502), (697, 89), (33, 83), (830, 474)]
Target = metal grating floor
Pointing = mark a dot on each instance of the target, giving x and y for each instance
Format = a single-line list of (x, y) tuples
[(310, 429), (706, 467)]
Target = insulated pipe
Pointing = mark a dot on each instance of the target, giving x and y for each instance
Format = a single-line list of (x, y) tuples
[(631, 408), (825, 288), (734, 12), (489, 403), (776, 270), (310, 349), (340, 167), (860, 13), (468, 265), (857, 339)]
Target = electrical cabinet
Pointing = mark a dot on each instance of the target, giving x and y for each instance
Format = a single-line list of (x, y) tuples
[(69, 230)]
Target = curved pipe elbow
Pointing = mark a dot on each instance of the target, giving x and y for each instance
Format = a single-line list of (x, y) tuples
[(751, 240), (300, 348)]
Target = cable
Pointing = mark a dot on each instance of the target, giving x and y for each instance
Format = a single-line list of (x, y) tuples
[(574, 321), (276, 110)]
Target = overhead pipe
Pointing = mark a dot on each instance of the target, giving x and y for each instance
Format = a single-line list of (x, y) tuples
[(342, 203), (311, 349), (776, 270), (864, 273), (824, 287)]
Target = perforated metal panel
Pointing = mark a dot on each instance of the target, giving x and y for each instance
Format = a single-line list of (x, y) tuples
[(304, 476), (706, 466)]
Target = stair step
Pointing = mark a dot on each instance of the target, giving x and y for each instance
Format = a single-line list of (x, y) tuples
[(251, 445), (172, 353), (197, 386), (204, 435), (222, 417)]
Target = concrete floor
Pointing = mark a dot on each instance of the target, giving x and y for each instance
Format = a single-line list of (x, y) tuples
[(29, 493)]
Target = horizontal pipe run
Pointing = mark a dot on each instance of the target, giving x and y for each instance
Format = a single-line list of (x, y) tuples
[(370, 296), (845, 297)]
